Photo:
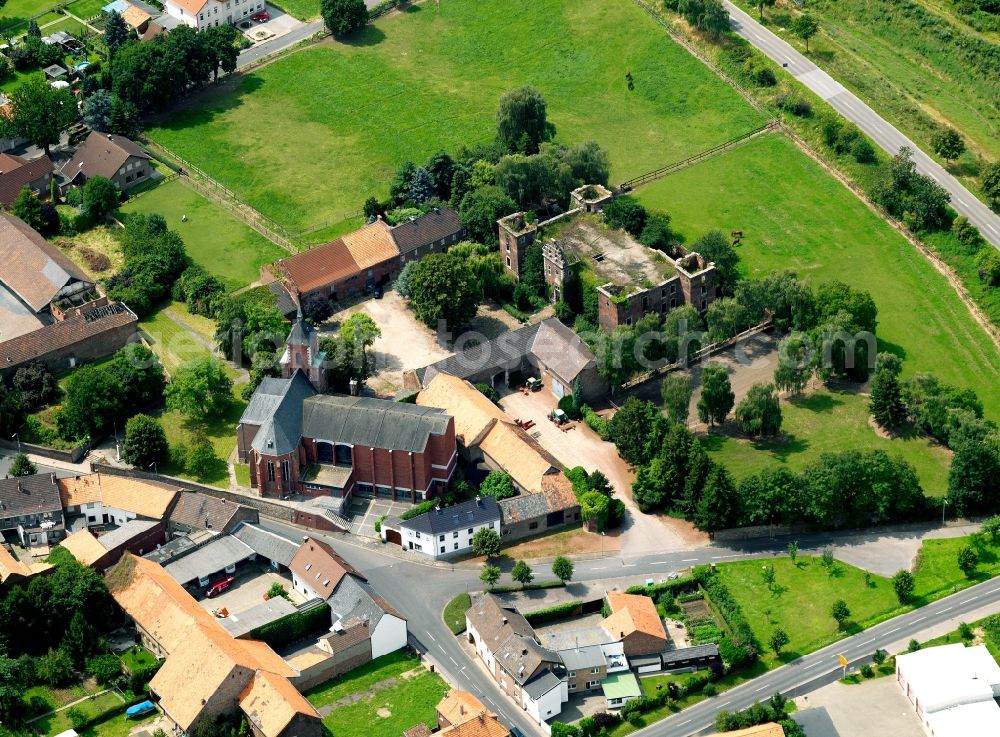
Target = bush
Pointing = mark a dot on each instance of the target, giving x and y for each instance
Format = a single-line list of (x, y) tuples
[(55, 668), (489, 392), (294, 627), (759, 72), (567, 405), (104, 668), (422, 508), (596, 423), (741, 647), (555, 612), (867, 671), (795, 104)]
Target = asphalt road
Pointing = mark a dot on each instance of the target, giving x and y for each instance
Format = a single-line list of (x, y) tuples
[(878, 129), (420, 591)]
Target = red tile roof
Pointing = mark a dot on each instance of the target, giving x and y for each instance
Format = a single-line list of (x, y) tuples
[(16, 173), (319, 267), (320, 566)]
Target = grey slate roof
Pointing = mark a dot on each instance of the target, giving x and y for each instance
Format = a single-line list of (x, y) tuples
[(201, 511), (542, 684), (29, 495), (125, 533), (267, 544), (429, 228), (257, 616), (521, 656), (562, 640), (286, 305), (707, 650), (530, 506), (354, 601), (209, 559), (376, 423), (458, 517), (495, 622), (551, 342), (583, 658), (276, 407), (179, 546)]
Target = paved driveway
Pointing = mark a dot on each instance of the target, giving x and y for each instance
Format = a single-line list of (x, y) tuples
[(580, 446), (366, 512), (875, 707)]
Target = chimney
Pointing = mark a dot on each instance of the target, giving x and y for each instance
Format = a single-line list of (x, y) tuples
[(109, 136), (52, 477), (524, 651), (19, 486), (437, 508), (505, 620), (621, 634), (461, 709), (479, 500)]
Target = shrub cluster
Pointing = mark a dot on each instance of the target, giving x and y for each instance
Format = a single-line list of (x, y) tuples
[(293, 627), (740, 648), (553, 613)]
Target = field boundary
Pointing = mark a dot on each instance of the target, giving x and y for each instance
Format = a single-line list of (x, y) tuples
[(211, 189)]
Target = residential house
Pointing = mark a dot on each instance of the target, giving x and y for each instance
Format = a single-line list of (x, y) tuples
[(14, 572), (34, 277), (273, 549), (460, 714), (565, 641), (16, 173), (371, 256), (110, 156), (207, 673), (106, 499), (548, 350), (446, 532), (202, 14), (103, 551), (337, 446), (30, 507), (953, 689), (635, 621), (196, 511), (532, 675), (525, 515), (586, 668)]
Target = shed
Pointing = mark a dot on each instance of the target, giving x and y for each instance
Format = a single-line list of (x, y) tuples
[(620, 688)]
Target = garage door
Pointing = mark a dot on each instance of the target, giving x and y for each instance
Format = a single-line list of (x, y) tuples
[(393, 536), (557, 389)]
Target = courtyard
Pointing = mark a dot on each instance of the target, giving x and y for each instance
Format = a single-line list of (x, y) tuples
[(248, 591), (873, 707)]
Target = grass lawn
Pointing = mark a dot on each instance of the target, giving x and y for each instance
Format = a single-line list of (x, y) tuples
[(16, 12), (242, 471), (825, 422), (221, 433), (214, 239), (169, 340), (86, 9), (99, 240), (454, 613), (53, 698), (390, 710), (115, 726), (794, 215), (138, 658), (12, 83), (69, 25), (301, 9), (60, 721), (431, 79), (804, 592), (363, 678)]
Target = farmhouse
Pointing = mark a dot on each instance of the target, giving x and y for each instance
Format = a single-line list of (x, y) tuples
[(30, 507), (269, 547), (367, 257), (633, 279), (548, 349), (110, 156), (105, 499), (953, 689), (17, 173), (201, 14), (338, 445), (103, 551), (532, 675), (635, 621)]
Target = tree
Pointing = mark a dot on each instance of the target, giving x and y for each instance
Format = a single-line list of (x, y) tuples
[(489, 575), (974, 477), (36, 385), (39, 113), (343, 17), (443, 288), (879, 656), (522, 573), (903, 584), (200, 389), (80, 640), (991, 181), (991, 528), (22, 466), (717, 397), (947, 143), (826, 559), (498, 484), (422, 186), (222, 47), (486, 543), (104, 668), (768, 574), (968, 559), (115, 35), (442, 170), (676, 392), (199, 458), (522, 124), (629, 429), (715, 247), (481, 208), (94, 400), (100, 197), (97, 110), (805, 26), (402, 283), (840, 612), (708, 16), (28, 207), (145, 441), (124, 118), (779, 638), (55, 668), (716, 509), (886, 404), (761, 4), (562, 567), (793, 550), (795, 366), (626, 213), (759, 414), (533, 271)]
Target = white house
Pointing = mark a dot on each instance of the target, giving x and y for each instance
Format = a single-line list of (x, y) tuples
[(953, 689), (201, 14), (319, 572), (445, 532), (115, 500)]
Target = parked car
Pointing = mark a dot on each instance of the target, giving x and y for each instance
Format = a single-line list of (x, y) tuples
[(219, 586), (261, 17), (378, 292), (140, 709)]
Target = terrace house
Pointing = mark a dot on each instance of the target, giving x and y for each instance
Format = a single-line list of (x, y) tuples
[(31, 509)]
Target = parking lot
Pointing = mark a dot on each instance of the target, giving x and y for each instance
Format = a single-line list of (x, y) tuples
[(366, 512), (248, 590), (875, 707)]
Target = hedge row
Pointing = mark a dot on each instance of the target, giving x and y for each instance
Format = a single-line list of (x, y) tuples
[(527, 587), (418, 510), (676, 587), (741, 647), (293, 627), (552, 613)]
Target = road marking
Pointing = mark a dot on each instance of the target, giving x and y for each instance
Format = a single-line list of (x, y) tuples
[(659, 562), (629, 565), (453, 661), (689, 560), (681, 724), (947, 609), (431, 636), (598, 568), (892, 630), (920, 619)]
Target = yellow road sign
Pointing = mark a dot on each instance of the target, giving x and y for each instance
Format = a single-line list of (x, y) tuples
[(843, 661)]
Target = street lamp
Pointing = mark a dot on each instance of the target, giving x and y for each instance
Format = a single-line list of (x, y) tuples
[(17, 437), (118, 453), (602, 543), (153, 466), (944, 503)]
